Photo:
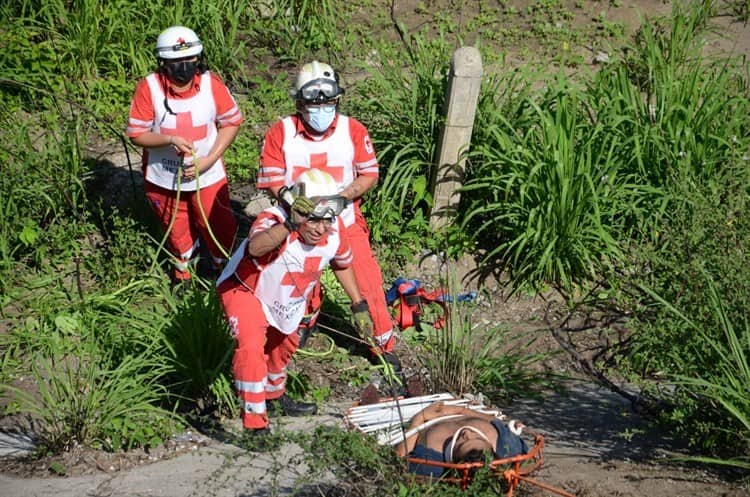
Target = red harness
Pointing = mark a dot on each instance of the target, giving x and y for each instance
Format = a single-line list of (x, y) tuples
[(408, 297)]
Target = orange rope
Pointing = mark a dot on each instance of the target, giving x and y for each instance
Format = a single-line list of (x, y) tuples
[(544, 486)]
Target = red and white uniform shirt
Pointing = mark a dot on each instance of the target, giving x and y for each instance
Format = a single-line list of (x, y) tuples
[(344, 151), (283, 279), (194, 117)]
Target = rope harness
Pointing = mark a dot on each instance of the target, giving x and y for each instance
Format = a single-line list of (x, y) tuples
[(409, 298)]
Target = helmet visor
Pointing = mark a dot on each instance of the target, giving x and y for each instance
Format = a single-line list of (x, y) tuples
[(319, 90), (328, 207)]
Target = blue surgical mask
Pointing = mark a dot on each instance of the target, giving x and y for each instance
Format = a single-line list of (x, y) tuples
[(320, 117)]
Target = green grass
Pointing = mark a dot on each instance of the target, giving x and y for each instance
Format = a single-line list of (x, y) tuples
[(98, 375), (199, 349), (626, 176), (724, 385), (545, 190), (402, 108)]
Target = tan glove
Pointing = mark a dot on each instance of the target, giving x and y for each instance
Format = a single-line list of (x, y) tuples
[(296, 203), (361, 319)]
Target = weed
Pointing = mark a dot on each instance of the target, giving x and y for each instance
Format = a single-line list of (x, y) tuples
[(199, 349), (403, 114), (551, 208), (726, 385), (628, 434), (58, 469), (83, 399)]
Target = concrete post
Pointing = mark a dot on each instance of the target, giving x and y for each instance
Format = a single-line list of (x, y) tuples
[(460, 108)]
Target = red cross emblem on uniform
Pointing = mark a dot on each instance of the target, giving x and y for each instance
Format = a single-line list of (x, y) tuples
[(301, 280), (320, 161), (186, 129)]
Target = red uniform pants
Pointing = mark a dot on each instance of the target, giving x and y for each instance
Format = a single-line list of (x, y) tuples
[(262, 352), (370, 282), (190, 223)]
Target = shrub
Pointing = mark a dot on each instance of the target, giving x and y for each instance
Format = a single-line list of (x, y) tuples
[(402, 109), (84, 398)]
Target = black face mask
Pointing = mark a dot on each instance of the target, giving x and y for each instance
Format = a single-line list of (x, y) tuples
[(182, 72)]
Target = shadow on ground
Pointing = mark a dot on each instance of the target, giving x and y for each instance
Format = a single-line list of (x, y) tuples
[(590, 421)]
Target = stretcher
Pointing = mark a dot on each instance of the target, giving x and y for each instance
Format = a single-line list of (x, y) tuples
[(388, 420)]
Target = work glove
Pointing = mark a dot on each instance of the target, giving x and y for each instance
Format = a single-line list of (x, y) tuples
[(361, 319), (293, 220), (295, 203)]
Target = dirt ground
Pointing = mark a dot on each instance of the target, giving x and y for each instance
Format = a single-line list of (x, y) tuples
[(596, 444)]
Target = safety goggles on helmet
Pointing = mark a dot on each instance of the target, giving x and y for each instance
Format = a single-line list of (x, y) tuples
[(184, 45), (327, 207), (178, 42), (319, 90)]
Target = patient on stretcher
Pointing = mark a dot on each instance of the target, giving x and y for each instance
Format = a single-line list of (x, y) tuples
[(465, 435)]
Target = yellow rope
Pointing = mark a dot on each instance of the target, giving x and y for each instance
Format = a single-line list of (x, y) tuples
[(160, 247), (311, 353), (200, 208)]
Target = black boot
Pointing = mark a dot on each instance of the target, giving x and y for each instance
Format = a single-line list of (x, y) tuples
[(305, 332), (285, 406)]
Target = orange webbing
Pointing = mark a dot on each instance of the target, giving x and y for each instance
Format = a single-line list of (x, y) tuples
[(513, 469)]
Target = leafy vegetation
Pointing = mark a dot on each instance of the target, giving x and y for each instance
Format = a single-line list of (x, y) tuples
[(632, 180), (363, 467)]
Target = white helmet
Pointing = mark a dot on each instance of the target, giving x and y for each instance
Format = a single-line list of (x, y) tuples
[(321, 188), (317, 83), (178, 42)]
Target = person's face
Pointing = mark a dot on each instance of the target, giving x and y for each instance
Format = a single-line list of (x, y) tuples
[(318, 117), (467, 442), (313, 229), (182, 71)]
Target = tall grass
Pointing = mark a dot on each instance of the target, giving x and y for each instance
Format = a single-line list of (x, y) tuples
[(104, 47), (725, 384), (296, 30), (110, 371), (545, 190), (42, 186), (564, 180), (98, 373), (403, 111), (222, 27), (86, 399), (680, 110), (199, 350), (455, 353), (470, 353)]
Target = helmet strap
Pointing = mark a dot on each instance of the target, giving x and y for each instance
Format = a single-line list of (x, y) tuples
[(163, 78)]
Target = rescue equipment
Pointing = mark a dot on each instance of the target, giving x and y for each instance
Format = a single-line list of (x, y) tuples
[(386, 421), (409, 298)]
